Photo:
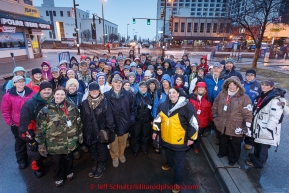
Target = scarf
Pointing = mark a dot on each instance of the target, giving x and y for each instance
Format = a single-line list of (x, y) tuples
[(94, 102), (232, 93)]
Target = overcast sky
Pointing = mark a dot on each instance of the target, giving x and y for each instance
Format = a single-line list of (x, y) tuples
[(119, 12)]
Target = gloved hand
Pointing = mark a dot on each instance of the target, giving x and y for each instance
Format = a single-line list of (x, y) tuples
[(42, 150), (80, 138), (240, 131), (33, 145)]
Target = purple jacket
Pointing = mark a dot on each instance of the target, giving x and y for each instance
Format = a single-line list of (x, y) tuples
[(12, 104), (139, 78)]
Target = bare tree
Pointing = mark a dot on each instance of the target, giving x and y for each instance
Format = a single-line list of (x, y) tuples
[(113, 37), (86, 35), (255, 14)]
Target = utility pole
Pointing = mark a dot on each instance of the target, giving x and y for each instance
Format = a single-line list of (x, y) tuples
[(103, 26), (164, 30), (76, 28)]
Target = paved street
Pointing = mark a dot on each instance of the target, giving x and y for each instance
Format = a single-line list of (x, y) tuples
[(138, 172)]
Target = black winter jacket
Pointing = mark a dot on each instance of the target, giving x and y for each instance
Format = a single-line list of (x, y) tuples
[(60, 81), (75, 98), (143, 105), (123, 110), (103, 117)]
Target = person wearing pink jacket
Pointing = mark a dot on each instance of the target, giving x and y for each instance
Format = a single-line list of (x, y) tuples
[(12, 103)]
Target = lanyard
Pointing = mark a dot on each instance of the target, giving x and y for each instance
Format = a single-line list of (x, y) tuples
[(227, 100), (216, 81), (260, 102), (73, 101), (64, 109)]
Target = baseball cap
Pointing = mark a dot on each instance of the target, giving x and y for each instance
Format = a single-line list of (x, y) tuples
[(16, 78)]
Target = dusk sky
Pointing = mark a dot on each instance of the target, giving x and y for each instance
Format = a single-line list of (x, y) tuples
[(119, 12)]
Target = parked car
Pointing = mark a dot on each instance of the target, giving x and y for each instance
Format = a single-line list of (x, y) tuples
[(145, 44), (251, 47)]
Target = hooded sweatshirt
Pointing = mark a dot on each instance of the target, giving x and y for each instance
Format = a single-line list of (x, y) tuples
[(46, 74), (9, 85)]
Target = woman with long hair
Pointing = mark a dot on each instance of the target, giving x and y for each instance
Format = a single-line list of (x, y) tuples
[(36, 79)]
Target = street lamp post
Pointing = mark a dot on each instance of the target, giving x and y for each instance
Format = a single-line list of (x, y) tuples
[(127, 31), (164, 29), (102, 2), (172, 3), (76, 28)]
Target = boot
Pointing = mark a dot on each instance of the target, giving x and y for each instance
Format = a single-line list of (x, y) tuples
[(93, 171), (76, 154), (100, 168)]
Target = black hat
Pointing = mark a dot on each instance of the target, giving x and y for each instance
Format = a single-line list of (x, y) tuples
[(268, 82), (93, 86), (36, 70), (251, 71), (223, 62), (45, 85), (139, 66)]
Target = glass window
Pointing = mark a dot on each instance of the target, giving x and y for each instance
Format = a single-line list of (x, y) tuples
[(181, 0), (181, 5), (187, 5), (205, 9), (50, 34), (28, 2), (215, 27), (221, 30), (68, 13), (193, 5), (200, 5), (162, 4), (219, 1), (212, 9), (208, 28), (195, 27), (192, 13), (217, 9), (228, 27), (212, 0), (199, 13), (187, 0), (202, 28), (193, 9), (211, 14), (47, 13), (175, 4), (200, 0), (212, 5), (206, 5), (182, 27), (54, 13), (176, 27), (189, 27), (199, 9), (218, 5), (169, 4), (61, 13)]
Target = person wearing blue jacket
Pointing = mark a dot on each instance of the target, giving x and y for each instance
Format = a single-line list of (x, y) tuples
[(18, 71), (253, 90), (179, 69), (214, 81)]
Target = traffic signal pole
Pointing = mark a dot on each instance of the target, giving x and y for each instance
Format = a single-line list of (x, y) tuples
[(164, 30), (76, 28)]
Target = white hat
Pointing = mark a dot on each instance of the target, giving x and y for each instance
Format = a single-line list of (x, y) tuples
[(148, 73)]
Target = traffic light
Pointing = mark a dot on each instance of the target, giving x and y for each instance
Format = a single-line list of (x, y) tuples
[(162, 14), (133, 20), (74, 34), (148, 22), (171, 23)]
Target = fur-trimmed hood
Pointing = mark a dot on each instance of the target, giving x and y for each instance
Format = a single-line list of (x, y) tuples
[(236, 81), (155, 81)]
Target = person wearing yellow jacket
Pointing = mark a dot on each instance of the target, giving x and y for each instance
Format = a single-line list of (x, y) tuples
[(177, 122)]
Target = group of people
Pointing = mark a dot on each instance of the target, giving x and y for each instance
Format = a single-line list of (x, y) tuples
[(99, 104)]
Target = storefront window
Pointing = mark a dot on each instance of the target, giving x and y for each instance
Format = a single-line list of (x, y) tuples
[(12, 41), (28, 2), (35, 45)]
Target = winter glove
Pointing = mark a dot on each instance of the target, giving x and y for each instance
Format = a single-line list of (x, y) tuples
[(33, 146), (42, 150), (80, 138), (211, 124), (240, 131)]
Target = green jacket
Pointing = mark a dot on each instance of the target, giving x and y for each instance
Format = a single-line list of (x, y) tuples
[(53, 131)]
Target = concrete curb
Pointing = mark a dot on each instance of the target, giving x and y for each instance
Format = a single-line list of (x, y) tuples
[(231, 178)]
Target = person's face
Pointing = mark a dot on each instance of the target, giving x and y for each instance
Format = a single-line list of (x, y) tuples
[(229, 66), (149, 59), (216, 71), (179, 81), (84, 68), (201, 73), (45, 68), (173, 95), (265, 88), (70, 74), (126, 86), (152, 70), (250, 77), (166, 84), (232, 87), (143, 89), (127, 62), (193, 68), (19, 73), (104, 57), (171, 58), (178, 62), (101, 80), (55, 74), (87, 61), (105, 71), (147, 77), (159, 72), (101, 65), (126, 72), (46, 93), (20, 84), (131, 53), (159, 61), (117, 86), (63, 72), (166, 65), (139, 70), (137, 61), (132, 68), (152, 86), (179, 71), (92, 66), (59, 96), (63, 64), (112, 64), (116, 75), (201, 90), (94, 93), (72, 88), (203, 61), (187, 63), (37, 76), (185, 57), (143, 58), (75, 68), (94, 75), (121, 63), (131, 79), (153, 62)]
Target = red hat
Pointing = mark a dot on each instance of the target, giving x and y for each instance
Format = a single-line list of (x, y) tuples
[(201, 84), (82, 57)]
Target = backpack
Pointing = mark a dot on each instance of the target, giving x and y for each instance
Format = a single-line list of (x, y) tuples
[(4, 86)]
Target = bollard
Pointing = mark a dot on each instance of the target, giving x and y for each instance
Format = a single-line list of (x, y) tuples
[(12, 55)]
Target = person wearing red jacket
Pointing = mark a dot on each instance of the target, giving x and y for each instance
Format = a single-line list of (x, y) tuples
[(203, 105), (204, 64)]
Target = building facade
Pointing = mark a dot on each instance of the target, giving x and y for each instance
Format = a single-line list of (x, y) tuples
[(20, 30), (189, 9)]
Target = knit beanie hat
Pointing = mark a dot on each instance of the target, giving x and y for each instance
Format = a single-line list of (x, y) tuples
[(93, 86), (131, 74), (142, 83), (147, 73), (36, 70), (44, 85), (230, 60), (72, 81), (251, 71)]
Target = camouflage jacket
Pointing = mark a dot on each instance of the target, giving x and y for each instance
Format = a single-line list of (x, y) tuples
[(53, 131), (84, 77)]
